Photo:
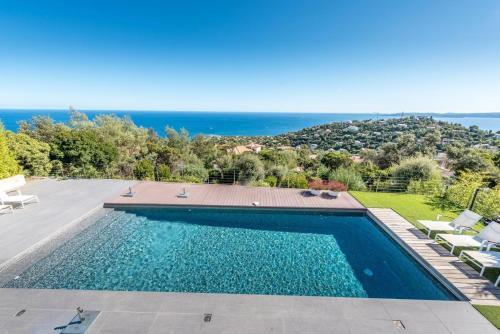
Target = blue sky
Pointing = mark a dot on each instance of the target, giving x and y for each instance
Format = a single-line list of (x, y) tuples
[(302, 55)]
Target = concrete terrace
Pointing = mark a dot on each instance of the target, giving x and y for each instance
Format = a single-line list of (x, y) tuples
[(183, 313), (62, 202), (155, 193)]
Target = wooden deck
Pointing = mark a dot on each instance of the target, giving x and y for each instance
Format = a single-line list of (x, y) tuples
[(158, 193), (477, 289)]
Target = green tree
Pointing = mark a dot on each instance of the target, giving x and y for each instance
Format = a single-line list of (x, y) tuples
[(334, 160), (419, 168), (83, 152), (387, 155), (32, 155), (8, 165), (250, 168), (472, 161)]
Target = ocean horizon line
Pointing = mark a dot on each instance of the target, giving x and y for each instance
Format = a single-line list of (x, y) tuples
[(410, 113)]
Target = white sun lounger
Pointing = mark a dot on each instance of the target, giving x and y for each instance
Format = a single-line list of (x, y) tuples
[(465, 221), (6, 209), (483, 259), (17, 199), (487, 238)]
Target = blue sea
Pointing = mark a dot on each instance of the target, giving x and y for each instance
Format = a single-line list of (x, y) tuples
[(232, 123)]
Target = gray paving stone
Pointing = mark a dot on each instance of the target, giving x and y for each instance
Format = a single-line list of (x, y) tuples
[(408, 309), (312, 325), (122, 322), (372, 327), (453, 311)]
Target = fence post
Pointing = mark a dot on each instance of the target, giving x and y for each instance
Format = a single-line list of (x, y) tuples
[(476, 191)]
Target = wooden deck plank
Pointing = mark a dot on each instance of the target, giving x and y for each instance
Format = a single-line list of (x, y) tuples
[(477, 289), (161, 193)]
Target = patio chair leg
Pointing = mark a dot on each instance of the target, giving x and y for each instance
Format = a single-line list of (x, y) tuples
[(482, 271), (498, 280)]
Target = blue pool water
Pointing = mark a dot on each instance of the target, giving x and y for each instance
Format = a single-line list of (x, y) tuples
[(235, 251)]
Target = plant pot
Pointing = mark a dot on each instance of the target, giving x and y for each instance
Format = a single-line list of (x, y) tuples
[(334, 194), (315, 192)]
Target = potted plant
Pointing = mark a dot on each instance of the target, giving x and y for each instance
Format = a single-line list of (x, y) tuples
[(315, 187), (335, 188)]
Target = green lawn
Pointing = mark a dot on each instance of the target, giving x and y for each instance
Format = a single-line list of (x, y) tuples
[(414, 207), (492, 313), (411, 206)]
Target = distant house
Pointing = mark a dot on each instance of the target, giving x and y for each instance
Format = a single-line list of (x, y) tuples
[(402, 125), (240, 149), (357, 159), (255, 147), (313, 146), (352, 128)]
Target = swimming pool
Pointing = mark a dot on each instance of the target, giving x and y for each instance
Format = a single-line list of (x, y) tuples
[(249, 251)]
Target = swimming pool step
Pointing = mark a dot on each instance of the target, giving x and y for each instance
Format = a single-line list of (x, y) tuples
[(69, 250)]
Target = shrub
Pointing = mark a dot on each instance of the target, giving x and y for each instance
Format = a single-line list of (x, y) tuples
[(425, 187), (8, 165), (259, 183), (57, 168), (195, 172), (487, 203), (295, 180), (163, 172), (348, 176), (250, 168), (460, 192), (144, 170), (415, 168), (32, 155), (271, 180)]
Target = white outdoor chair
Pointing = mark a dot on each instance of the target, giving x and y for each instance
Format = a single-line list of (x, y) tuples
[(465, 221), (19, 199), (6, 209), (483, 259), (486, 239)]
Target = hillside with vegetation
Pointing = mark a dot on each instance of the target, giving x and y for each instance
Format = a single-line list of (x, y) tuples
[(446, 162), (355, 136)]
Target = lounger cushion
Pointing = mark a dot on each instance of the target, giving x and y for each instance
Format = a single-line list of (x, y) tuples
[(486, 258), (18, 198), (434, 225), (460, 240)]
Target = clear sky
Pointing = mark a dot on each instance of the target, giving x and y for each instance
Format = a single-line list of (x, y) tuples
[(258, 55)]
